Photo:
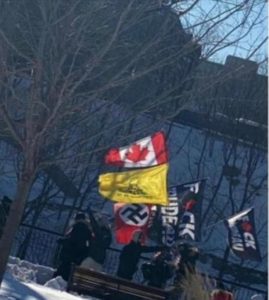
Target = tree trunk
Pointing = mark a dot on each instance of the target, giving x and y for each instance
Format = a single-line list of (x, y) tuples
[(13, 220)]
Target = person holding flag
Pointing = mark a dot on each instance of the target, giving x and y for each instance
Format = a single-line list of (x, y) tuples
[(130, 255)]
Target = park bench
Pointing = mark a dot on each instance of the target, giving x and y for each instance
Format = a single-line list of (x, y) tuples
[(104, 286)]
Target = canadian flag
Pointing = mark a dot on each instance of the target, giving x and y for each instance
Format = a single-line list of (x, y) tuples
[(130, 218), (147, 152)]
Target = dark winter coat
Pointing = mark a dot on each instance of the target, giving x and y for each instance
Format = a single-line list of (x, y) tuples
[(79, 240), (100, 243), (129, 258), (161, 269), (75, 248)]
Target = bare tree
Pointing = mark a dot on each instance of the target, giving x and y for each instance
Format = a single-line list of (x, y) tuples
[(64, 67), (69, 70)]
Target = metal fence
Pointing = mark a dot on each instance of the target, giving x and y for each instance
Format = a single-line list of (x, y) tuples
[(40, 246), (36, 245)]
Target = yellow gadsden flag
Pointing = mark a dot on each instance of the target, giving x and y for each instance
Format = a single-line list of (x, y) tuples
[(147, 186)]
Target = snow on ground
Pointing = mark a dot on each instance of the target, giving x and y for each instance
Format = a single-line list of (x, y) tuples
[(26, 281)]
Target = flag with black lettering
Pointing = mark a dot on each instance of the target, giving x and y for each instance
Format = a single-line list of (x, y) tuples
[(242, 235), (180, 219), (191, 196), (169, 219), (130, 218)]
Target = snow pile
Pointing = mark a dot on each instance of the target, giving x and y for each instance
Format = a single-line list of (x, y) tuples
[(57, 283), (12, 289), (25, 280), (28, 272)]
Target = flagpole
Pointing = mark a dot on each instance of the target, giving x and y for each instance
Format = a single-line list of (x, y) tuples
[(189, 182), (230, 217)]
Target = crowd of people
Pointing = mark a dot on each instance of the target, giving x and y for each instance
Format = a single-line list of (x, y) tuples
[(86, 241)]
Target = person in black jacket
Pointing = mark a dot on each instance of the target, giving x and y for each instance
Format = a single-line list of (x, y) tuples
[(161, 268), (75, 245), (130, 255), (101, 241)]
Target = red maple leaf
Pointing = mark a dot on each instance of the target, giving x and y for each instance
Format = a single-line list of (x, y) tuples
[(247, 227), (136, 153)]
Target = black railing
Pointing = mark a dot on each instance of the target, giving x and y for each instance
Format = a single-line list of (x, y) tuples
[(40, 246), (36, 245)]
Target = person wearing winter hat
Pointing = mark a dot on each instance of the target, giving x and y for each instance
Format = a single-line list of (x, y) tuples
[(75, 245), (130, 255)]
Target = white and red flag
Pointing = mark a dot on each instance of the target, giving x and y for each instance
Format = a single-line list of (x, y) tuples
[(130, 218), (242, 235), (147, 152)]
